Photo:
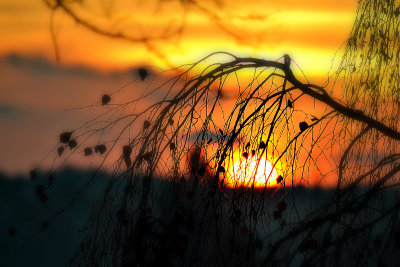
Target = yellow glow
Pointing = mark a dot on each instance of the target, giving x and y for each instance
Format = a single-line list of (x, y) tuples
[(310, 31), (257, 171)]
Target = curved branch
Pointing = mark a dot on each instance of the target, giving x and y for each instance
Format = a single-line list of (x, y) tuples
[(354, 114)]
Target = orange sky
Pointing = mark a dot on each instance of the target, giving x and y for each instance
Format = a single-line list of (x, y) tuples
[(35, 90), (311, 31)]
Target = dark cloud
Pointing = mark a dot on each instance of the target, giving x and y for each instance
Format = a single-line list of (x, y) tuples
[(41, 65), (8, 111)]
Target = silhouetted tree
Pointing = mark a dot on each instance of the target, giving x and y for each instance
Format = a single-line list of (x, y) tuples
[(192, 217)]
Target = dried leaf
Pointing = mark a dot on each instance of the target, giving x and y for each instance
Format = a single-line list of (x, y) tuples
[(100, 149), (65, 136), (105, 99), (72, 144), (142, 73), (60, 150), (303, 126), (87, 151)]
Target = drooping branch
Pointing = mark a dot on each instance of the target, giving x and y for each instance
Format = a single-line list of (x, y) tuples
[(320, 95)]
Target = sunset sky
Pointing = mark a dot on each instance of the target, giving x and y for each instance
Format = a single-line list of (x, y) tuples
[(35, 89), (311, 31)]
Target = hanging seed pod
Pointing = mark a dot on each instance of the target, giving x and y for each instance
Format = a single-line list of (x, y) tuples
[(303, 126), (87, 151), (60, 150), (142, 73), (65, 136), (100, 149), (105, 99), (72, 144)]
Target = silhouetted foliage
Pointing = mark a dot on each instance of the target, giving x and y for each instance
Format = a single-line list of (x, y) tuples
[(105, 99), (60, 150), (142, 73), (191, 137), (100, 149), (88, 151), (72, 143), (65, 137), (303, 126)]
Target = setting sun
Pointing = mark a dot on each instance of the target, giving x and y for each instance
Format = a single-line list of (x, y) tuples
[(252, 170)]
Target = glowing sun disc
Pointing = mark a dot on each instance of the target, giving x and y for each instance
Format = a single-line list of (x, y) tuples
[(255, 171)]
